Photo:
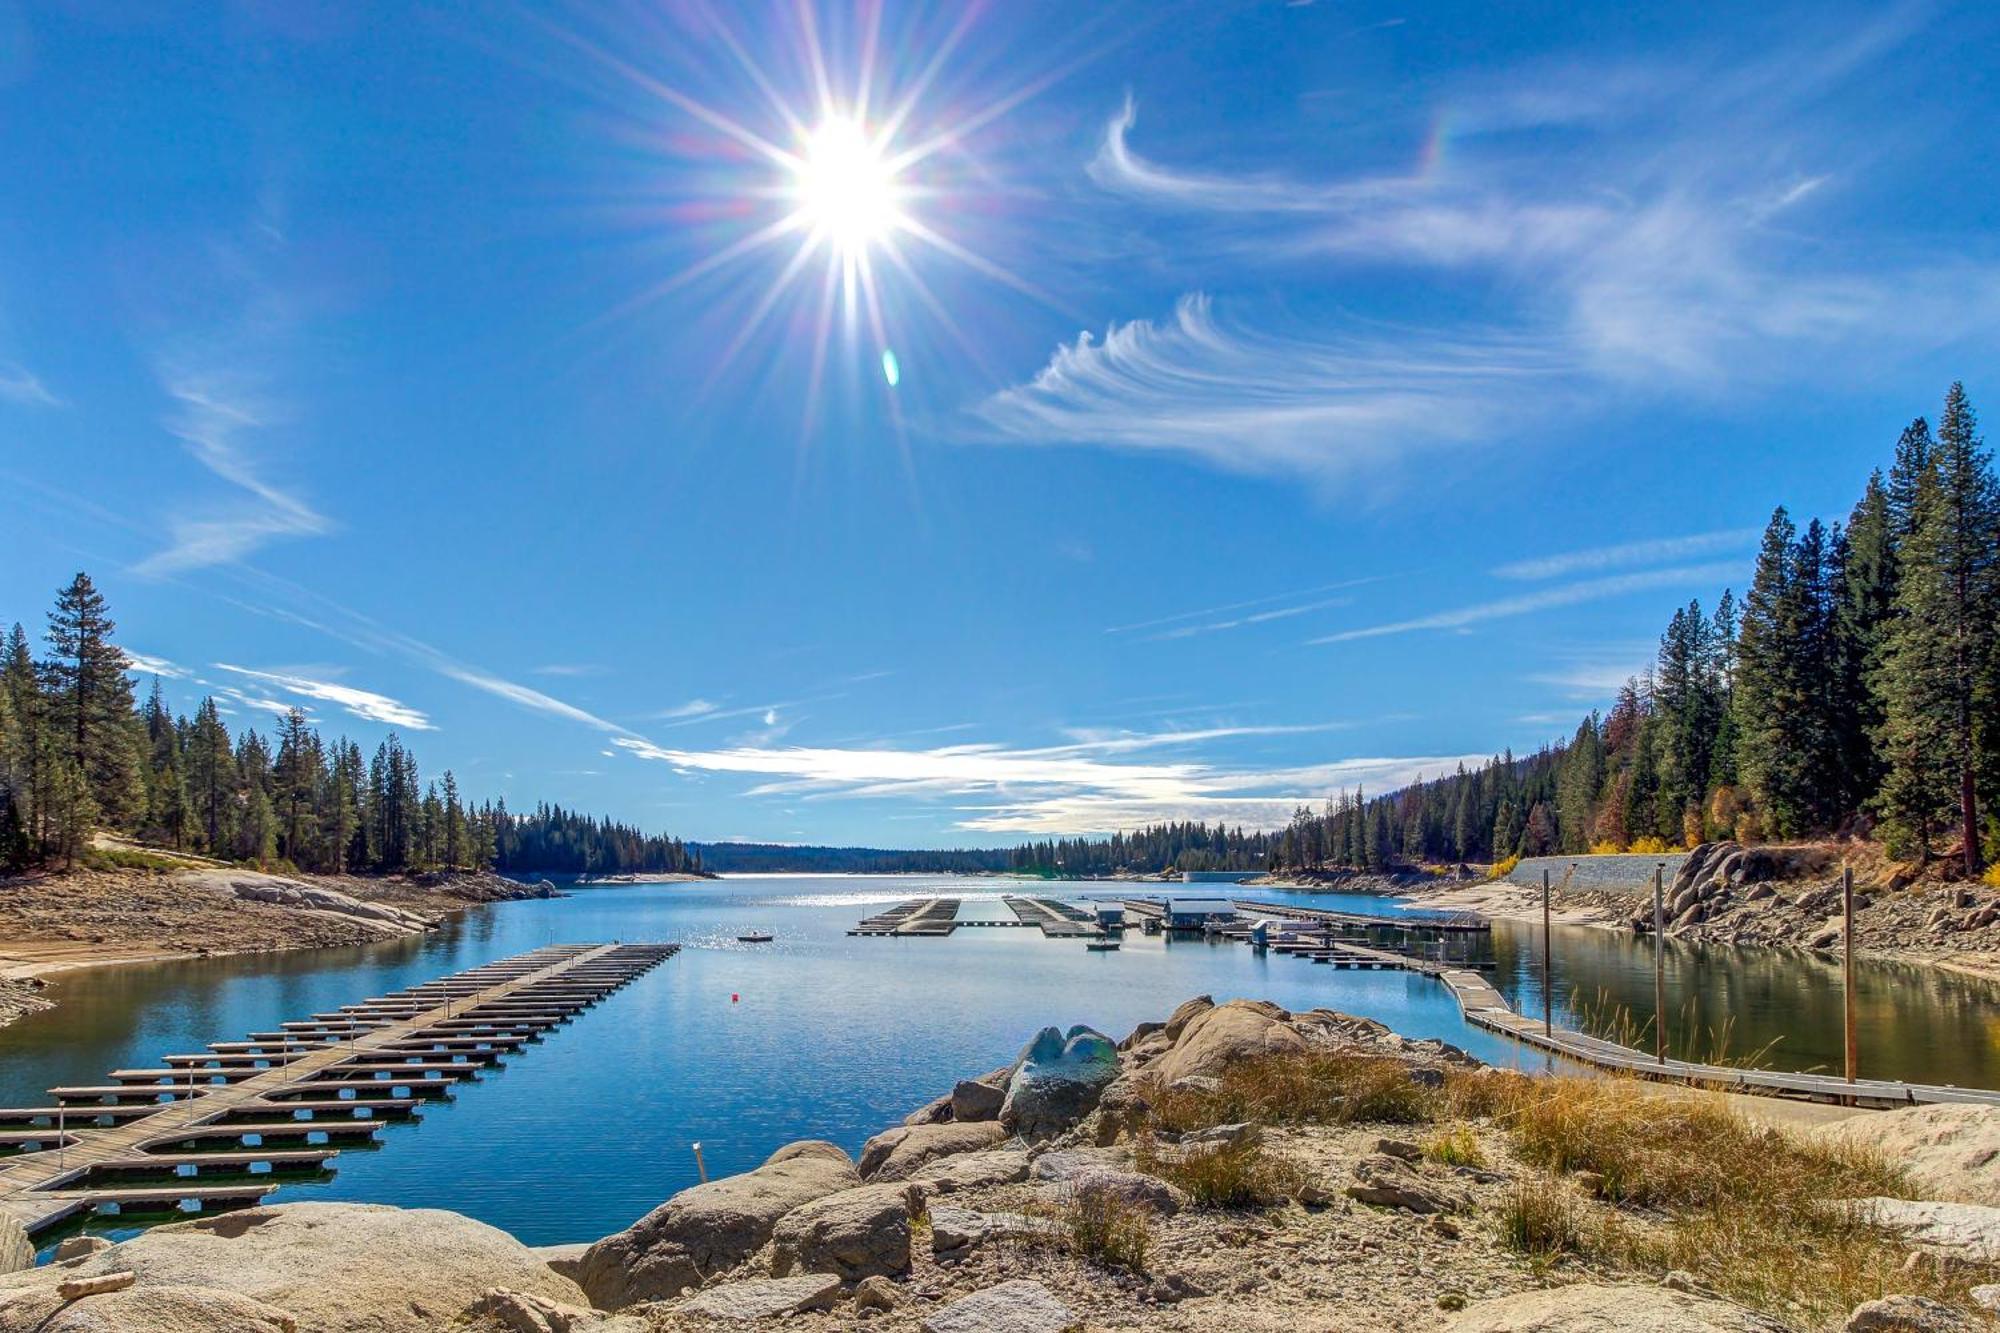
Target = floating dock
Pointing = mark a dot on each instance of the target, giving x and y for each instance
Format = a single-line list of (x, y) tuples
[(1058, 920), (158, 1139), (914, 916)]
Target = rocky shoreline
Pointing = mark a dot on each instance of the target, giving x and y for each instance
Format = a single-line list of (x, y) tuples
[(1778, 898), (1379, 1184), (55, 923)]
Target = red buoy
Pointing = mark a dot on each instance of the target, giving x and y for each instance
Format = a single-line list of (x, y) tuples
[(734, 997)]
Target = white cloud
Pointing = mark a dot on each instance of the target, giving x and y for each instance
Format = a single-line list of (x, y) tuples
[(692, 708), (1663, 243), (1068, 788), (364, 704), (20, 385), (1630, 553), (1568, 595), (214, 414), (1254, 400), (146, 664), (523, 695), (566, 669)]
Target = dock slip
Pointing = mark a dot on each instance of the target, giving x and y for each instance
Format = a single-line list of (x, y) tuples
[(1443, 923), (156, 1140), (1486, 1007), (914, 916), (1058, 920)]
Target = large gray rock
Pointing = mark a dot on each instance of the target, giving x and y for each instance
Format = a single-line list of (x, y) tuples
[(897, 1154), (708, 1228), (336, 1267), (1212, 1041), (1188, 1011), (1948, 1152), (854, 1234), (764, 1298), (1058, 1080), (1591, 1308), (1908, 1314), (1387, 1181), (1011, 1307), (956, 1230), (974, 1100), (1132, 1188), (153, 1309), (16, 1250), (975, 1170), (1967, 1231)]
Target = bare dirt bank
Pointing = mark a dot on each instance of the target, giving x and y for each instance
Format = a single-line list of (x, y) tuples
[(51, 923)]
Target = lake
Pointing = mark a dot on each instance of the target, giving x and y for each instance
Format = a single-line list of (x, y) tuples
[(743, 1048)]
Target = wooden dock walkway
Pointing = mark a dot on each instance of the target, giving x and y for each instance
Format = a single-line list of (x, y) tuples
[(1453, 923), (337, 1077), (1484, 1006)]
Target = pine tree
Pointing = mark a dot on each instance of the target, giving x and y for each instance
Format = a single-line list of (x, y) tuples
[(92, 701), (212, 779), (1867, 604), (1935, 679)]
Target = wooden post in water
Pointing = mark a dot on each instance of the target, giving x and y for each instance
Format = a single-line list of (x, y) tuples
[(1548, 1008), (62, 1136), (1847, 971), (1659, 964), (700, 1165)]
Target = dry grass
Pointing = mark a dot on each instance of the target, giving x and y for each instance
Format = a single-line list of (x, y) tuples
[(1098, 1226), (1685, 1182), (1539, 1218), (1316, 1088), (1228, 1175), (1454, 1145)]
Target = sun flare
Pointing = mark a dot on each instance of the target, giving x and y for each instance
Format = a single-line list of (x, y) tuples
[(846, 187)]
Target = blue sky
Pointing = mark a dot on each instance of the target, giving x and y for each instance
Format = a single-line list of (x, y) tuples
[(1287, 395)]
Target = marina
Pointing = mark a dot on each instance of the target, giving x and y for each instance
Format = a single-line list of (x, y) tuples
[(140, 1143)]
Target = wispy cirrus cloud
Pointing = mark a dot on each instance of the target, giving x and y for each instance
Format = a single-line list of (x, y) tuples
[(217, 414), (1070, 789), (231, 350), (146, 664), (364, 704), (20, 385), (1663, 234), (1570, 594), (1236, 615), (1260, 400), (1651, 552)]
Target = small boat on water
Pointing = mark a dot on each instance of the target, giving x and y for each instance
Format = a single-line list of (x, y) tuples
[(1101, 946), (755, 937)]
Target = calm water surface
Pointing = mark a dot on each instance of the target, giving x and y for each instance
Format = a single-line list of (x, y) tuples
[(746, 1047)]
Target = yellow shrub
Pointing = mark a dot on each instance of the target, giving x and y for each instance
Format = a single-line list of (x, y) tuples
[(1649, 845), (1502, 869), (1606, 847), (1991, 879)]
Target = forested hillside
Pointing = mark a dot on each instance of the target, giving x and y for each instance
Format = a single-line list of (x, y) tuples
[(1854, 689), (77, 753)]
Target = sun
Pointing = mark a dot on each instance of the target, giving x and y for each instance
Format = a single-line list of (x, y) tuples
[(846, 187)]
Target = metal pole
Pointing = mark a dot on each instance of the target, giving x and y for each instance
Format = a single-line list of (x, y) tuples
[(62, 1136), (1548, 1009), (1659, 964), (1847, 987)]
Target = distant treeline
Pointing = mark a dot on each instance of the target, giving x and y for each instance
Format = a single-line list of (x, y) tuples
[(1856, 688), (747, 858), (77, 753), (1187, 846)]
